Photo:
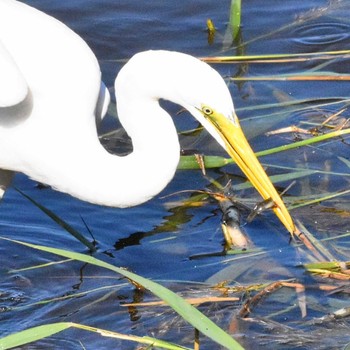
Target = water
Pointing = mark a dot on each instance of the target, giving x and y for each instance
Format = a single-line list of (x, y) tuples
[(156, 240)]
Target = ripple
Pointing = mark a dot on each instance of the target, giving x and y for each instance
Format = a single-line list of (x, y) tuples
[(317, 114), (321, 33)]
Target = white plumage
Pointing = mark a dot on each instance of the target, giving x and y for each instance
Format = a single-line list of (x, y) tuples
[(51, 95)]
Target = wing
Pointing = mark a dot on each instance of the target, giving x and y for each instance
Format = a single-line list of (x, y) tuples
[(13, 86), (61, 71)]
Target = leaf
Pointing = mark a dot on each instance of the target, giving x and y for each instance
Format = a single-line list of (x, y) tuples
[(36, 333), (189, 162), (345, 161), (286, 57), (183, 308), (279, 178), (32, 334), (235, 18), (61, 222)]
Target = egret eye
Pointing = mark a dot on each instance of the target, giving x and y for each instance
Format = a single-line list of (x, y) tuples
[(207, 110)]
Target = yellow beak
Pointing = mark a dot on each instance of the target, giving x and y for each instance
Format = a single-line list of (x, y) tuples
[(239, 149)]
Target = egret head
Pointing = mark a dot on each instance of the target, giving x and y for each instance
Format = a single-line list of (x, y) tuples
[(180, 78)]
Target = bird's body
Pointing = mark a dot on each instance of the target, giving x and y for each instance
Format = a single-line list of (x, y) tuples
[(54, 138), (62, 75), (53, 95), (52, 134)]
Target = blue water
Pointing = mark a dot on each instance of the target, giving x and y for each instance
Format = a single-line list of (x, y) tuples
[(153, 240)]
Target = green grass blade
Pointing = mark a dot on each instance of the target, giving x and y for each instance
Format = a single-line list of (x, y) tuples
[(234, 24), (345, 161), (278, 178), (284, 56), (183, 308), (235, 17), (306, 142), (60, 222), (36, 333), (32, 334), (320, 199), (306, 76), (190, 162), (324, 265), (152, 342)]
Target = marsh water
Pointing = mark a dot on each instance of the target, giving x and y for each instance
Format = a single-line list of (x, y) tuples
[(159, 239)]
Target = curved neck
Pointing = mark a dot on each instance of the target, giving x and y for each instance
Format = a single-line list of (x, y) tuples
[(87, 171), (69, 156), (139, 176)]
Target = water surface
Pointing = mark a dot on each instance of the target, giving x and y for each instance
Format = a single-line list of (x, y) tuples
[(157, 239)]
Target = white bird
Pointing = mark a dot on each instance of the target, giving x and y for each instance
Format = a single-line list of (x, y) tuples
[(51, 94)]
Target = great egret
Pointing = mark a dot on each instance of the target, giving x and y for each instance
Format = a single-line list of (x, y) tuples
[(51, 93)]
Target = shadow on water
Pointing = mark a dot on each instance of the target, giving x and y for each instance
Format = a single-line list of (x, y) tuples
[(281, 304)]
